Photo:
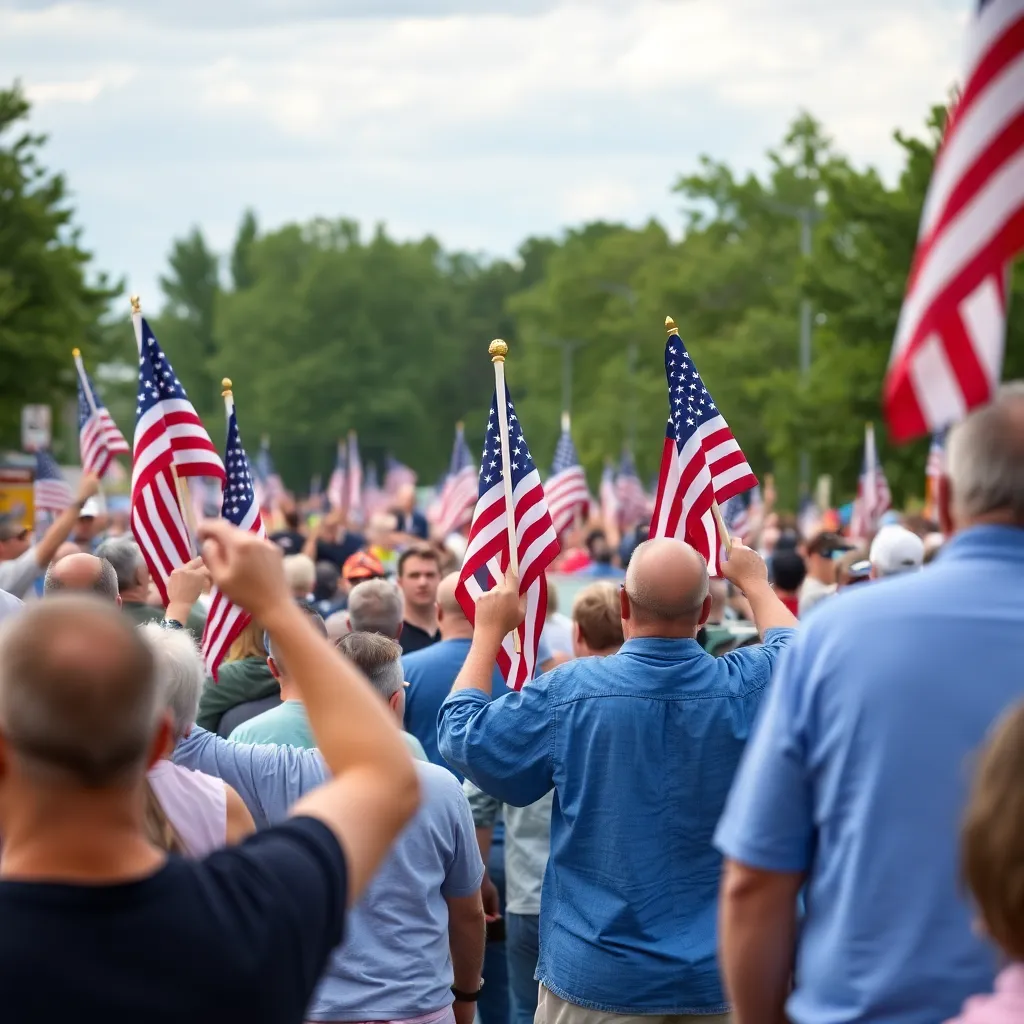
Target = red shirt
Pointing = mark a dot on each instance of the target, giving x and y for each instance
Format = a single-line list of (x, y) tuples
[(791, 601)]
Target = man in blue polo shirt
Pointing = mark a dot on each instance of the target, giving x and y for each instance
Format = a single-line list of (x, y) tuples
[(640, 749), (855, 781)]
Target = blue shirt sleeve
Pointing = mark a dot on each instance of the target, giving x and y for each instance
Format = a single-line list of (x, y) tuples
[(756, 663), (768, 821), (466, 871), (268, 778), (503, 745)]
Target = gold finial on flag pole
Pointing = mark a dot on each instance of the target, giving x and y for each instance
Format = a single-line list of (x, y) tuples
[(670, 326), (76, 353), (497, 350), (226, 385), (136, 305)]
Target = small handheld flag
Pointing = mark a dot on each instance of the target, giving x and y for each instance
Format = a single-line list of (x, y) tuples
[(99, 440)]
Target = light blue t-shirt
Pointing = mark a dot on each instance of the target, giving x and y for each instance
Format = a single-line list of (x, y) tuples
[(395, 961), (287, 724), (858, 772)]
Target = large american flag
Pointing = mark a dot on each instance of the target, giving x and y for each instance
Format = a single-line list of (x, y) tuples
[(633, 501), (458, 494), (225, 621), (487, 554), (948, 353), (396, 476), (701, 461), (267, 483), (609, 498), (337, 485), (566, 488), (51, 492), (169, 438), (99, 440), (873, 497)]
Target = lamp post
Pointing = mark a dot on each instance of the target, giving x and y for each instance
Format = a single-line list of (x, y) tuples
[(568, 346)]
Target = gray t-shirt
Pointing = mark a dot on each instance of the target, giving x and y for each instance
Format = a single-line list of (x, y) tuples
[(18, 574), (395, 961), (9, 605)]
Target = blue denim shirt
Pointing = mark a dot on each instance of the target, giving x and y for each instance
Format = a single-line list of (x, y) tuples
[(640, 749)]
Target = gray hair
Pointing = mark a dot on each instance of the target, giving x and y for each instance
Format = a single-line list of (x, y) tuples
[(985, 457), (300, 572), (105, 585), (375, 606), (378, 658), (316, 620), (126, 558), (180, 673)]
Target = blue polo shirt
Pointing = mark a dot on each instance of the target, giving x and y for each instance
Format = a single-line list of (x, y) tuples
[(858, 775), (640, 749)]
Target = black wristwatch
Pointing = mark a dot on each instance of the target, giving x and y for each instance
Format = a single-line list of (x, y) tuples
[(172, 624), (467, 997)]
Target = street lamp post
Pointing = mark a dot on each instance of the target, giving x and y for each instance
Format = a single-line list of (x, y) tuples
[(568, 347)]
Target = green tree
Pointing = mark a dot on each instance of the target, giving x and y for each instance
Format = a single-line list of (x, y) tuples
[(241, 256), (47, 306)]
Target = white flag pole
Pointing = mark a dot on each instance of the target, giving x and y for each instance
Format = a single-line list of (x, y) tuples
[(498, 350)]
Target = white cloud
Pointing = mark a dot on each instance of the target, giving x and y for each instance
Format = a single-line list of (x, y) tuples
[(480, 122)]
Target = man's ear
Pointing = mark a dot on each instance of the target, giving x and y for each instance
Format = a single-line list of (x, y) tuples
[(944, 501), (624, 608), (274, 670), (705, 610), (163, 742)]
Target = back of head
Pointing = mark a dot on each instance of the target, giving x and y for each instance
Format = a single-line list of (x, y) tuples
[(327, 577), (318, 624), (82, 574), (597, 613), (248, 644), (300, 572), (337, 626), (126, 558), (666, 584), (985, 461), (375, 607), (896, 550), (79, 695), (378, 658), (788, 569), (180, 673)]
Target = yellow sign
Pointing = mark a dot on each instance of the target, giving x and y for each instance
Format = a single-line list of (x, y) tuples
[(16, 495)]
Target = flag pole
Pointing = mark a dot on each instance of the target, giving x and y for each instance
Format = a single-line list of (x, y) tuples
[(497, 351), (76, 354), (228, 396), (180, 486), (716, 511)]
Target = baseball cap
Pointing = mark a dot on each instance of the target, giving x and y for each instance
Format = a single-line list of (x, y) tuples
[(827, 544), (895, 549), (90, 510), (11, 527), (362, 566)]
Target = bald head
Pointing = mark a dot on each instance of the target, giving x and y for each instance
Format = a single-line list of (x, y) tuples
[(666, 586), (83, 574), (451, 619), (79, 698)]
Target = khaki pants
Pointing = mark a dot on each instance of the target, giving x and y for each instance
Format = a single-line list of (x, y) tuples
[(552, 1010)]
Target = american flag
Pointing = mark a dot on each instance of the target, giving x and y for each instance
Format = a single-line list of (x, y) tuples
[(337, 485), (740, 510), (99, 440), (51, 492), (609, 498), (948, 352), (566, 488), (267, 485), (354, 486), (933, 471), (487, 554), (458, 494), (225, 621), (873, 497), (633, 501), (169, 440), (701, 461), (374, 499), (396, 476)]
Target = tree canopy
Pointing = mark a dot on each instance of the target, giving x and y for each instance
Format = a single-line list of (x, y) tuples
[(325, 326)]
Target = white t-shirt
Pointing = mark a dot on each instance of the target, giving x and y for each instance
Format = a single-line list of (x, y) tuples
[(18, 574)]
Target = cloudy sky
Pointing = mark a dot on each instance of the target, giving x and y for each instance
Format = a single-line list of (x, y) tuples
[(480, 121)]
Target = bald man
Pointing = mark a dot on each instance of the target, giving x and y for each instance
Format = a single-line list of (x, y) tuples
[(82, 573), (640, 749)]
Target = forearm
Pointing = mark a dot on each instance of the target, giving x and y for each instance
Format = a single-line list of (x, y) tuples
[(309, 548), (768, 610), (179, 611), (484, 837), (757, 938), (478, 668), (467, 936), (349, 721), (59, 531)]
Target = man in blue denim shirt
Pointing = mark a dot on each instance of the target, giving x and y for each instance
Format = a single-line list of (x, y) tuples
[(640, 749)]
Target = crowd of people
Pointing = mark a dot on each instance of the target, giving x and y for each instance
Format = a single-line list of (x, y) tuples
[(789, 793)]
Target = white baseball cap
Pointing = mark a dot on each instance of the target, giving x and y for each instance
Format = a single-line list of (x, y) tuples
[(90, 510), (896, 550)]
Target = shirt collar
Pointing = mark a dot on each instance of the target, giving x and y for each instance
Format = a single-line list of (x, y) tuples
[(994, 541), (668, 648)]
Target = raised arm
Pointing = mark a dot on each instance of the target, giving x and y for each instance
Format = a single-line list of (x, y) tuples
[(374, 790), (745, 569), (62, 526)]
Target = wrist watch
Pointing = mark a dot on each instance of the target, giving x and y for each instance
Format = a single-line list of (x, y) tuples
[(172, 624), (466, 997)]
